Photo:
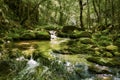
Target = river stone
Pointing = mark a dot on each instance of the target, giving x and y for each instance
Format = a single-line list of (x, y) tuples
[(86, 41), (98, 69), (112, 48), (104, 77)]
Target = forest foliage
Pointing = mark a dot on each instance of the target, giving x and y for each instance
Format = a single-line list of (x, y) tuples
[(88, 14)]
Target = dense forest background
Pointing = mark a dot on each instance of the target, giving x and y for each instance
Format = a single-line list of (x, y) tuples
[(88, 14)]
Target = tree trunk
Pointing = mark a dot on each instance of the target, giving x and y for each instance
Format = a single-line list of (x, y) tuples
[(112, 16), (106, 13), (95, 9), (88, 15), (81, 14)]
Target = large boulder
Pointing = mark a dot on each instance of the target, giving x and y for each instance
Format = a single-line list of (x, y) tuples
[(69, 29), (42, 35)]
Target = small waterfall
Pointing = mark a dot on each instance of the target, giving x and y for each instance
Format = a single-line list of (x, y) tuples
[(52, 34)]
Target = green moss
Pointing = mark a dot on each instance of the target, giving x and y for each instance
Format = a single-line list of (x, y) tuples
[(28, 36), (86, 40), (42, 35), (112, 62), (111, 48)]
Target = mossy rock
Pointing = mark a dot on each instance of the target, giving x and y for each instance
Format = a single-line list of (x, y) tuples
[(69, 29), (97, 53), (111, 62), (85, 34), (28, 36), (103, 42), (16, 37), (62, 34), (73, 35), (117, 54), (42, 35), (107, 54), (86, 40), (111, 48)]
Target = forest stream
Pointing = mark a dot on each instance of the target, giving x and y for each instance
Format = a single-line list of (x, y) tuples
[(59, 40), (75, 64)]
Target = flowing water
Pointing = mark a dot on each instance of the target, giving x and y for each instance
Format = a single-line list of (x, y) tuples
[(76, 64)]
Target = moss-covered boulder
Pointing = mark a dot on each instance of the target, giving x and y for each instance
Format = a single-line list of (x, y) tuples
[(111, 48), (97, 53), (85, 34), (62, 34), (69, 29), (28, 36), (42, 35), (111, 62), (107, 54), (75, 34), (117, 54), (15, 36), (86, 40)]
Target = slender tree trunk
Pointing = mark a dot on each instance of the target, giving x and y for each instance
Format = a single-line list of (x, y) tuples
[(99, 13), (106, 13), (81, 14), (112, 8), (95, 9), (61, 14), (88, 15)]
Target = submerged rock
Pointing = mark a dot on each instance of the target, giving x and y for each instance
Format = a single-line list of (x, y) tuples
[(95, 68)]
